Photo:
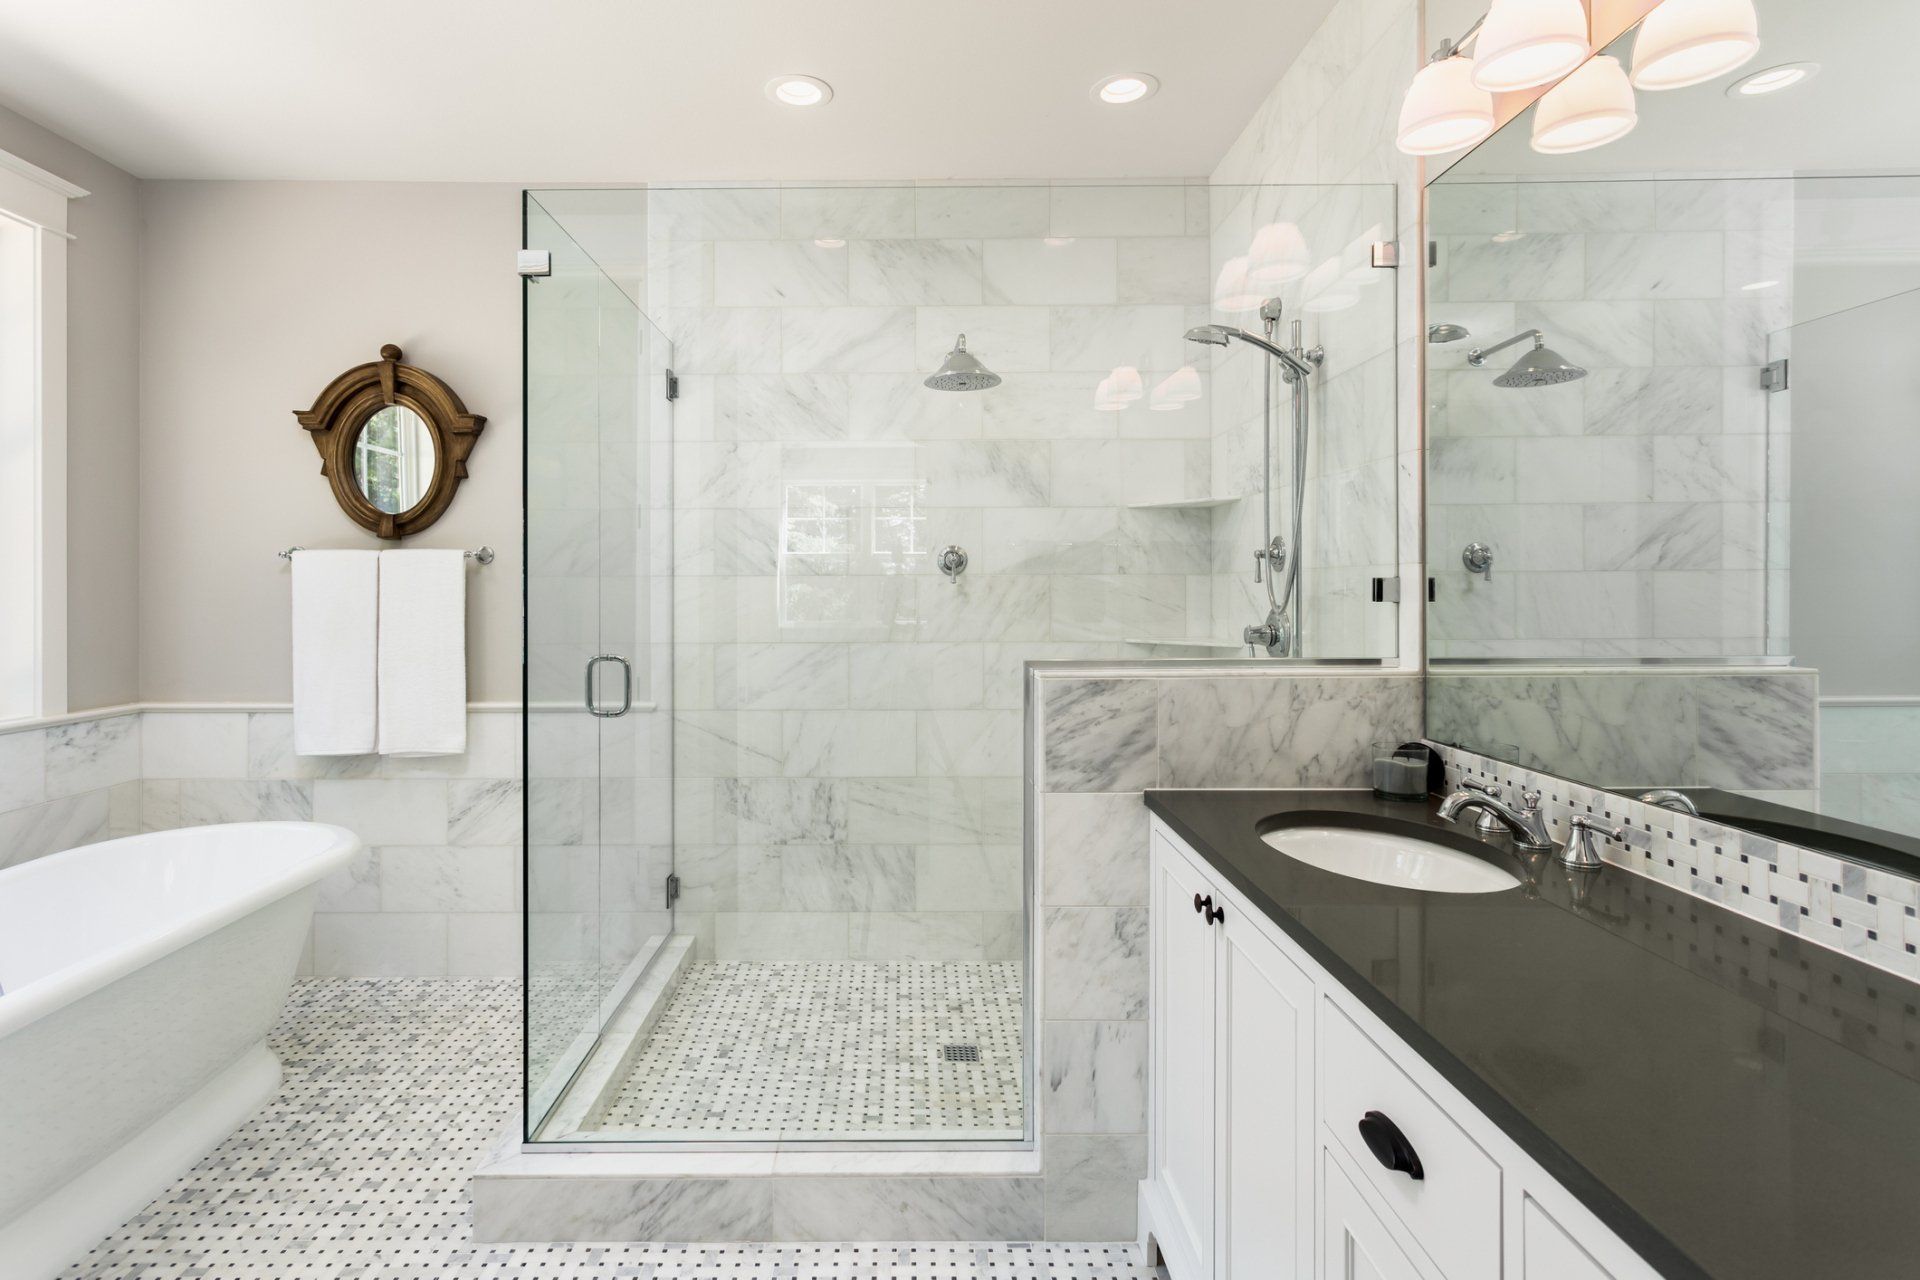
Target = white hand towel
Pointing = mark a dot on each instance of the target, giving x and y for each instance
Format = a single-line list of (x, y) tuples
[(423, 653), (335, 596)]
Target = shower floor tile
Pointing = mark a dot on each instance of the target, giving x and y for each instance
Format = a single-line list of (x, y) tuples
[(357, 1170), (799, 1049)]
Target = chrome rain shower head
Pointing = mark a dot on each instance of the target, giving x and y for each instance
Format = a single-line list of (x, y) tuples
[(1447, 332), (1540, 367), (962, 372)]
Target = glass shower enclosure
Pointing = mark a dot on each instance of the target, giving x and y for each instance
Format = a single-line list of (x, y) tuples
[(779, 879)]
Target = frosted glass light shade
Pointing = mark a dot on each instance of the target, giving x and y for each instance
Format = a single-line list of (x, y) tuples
[(1524, 43), (1125, 384), (1590, 108), (1104, 400), (1279, 256), (1443, 110), (1684, 42), (1231, 292)]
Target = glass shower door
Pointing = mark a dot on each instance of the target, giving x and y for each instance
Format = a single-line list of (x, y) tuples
[(598, 818)]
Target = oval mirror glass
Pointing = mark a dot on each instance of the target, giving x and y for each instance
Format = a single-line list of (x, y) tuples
[(393, 459)]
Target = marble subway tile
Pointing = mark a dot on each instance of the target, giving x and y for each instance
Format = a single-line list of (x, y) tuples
[(384, 811), (482, 811), (717, 1209), (201, 802), (916, 273), (847, 877), (969, 877), (1094, 1076), (847, 744), (772, 677), (380, 944), (484, 944), (1162, 269), (778, 273), (1092, 1184), (780, 935), (23, 768), (1100, 735), (1006, 339), (90, 754), (975, 212), (193, 745), (1147, 209), (1094, 849), (980, 1208), (786, 811), (1050, 272), (1095, 962), (880, 936), (847, 213), (973, 744), (1298, 732), (443, 878), (847, 339), (53, 826)]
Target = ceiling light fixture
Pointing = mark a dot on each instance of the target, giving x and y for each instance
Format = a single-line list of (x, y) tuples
[(1524, 43), (799, 91), (1590, 108), (1130, 86), (1444, 110), (1773, 79), (1685, 42)]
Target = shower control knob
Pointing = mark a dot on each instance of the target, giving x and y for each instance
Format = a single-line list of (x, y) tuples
[(952, 561), (1478, 557)]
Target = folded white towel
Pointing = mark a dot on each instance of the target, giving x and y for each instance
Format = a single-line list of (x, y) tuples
[(335, 596), (423, 653)]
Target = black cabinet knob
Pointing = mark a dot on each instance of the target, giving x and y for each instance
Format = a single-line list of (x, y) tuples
[(1390, 1146), (1201, 904), (1214, 914)]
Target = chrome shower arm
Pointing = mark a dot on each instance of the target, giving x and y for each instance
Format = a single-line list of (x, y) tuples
[(1478, 356)]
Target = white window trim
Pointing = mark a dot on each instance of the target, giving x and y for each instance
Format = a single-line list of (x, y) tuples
[(31, 196)]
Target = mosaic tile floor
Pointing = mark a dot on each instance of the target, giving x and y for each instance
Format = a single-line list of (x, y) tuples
[(784, 1050), (357, 1170)]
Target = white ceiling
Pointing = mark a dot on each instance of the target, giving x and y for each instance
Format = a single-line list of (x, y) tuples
[(623, 91)]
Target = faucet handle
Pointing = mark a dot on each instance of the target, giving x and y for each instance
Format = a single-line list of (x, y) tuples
[(1581, 830), (1529, 800)]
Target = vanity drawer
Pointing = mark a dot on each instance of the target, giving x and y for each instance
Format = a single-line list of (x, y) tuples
[(1453, 1208)]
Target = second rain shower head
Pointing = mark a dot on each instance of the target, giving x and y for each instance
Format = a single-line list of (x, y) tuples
[(962, 372), (1542, 366), (1447, 332)]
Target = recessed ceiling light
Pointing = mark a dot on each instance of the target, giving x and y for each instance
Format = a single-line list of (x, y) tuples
[(1130, 87), (1757, 285), (1772, 80), (799, 91)]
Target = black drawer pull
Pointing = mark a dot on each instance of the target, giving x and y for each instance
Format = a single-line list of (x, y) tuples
[(1201, 904), (1390, 1146)]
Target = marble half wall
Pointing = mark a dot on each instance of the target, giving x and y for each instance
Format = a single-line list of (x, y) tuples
[(1739, 729), (1102, 736)]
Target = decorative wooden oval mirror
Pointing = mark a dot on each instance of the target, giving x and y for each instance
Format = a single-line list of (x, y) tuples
[(393, 442)]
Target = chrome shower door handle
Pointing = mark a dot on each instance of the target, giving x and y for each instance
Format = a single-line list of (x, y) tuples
[(626, 686)]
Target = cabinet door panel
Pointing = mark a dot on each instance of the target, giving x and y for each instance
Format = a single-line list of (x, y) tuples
[(1548, 1252), (1183, 1048), (1266, 1109), (1358, 1246)]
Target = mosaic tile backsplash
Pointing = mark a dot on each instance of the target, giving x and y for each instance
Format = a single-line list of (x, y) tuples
[(1863, 912)]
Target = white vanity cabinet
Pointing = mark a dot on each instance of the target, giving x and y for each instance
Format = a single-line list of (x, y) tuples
[(1264, 1068)]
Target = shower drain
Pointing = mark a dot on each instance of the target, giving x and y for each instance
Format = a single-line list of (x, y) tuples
[(960, 1052)]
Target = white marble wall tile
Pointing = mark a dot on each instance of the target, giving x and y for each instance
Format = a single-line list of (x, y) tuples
[(1296, 732), (973, 744), (1094, 1076), (201, 802), (1095, 339), (778, 407), (1095, 962), (1653, 535), (1597, 334), (23, 768), (998, 607), (711, 213), (1157, 209), (780, 935), (969, 877), (915, 273), (89, 754), (385, 811), (1100, 735), (1590, 469), (1163, 269), (1569, 206), (1655, 264), (193, 745), (1666, 401), (900, 407), (1710, 469), (355, 887), (846, 213), (53, 826), (1091, 1182), (848, 744), (484, 944), (778, 273), (846, 877), (986, 473), (1529, 268), (483, 811), (380, 944), (929, 936), (807, 1208), (785, 811), (1051, 271), (974, 212), (727, 339), (443, 878), (771, 677), (1095, 845), (919, 675)]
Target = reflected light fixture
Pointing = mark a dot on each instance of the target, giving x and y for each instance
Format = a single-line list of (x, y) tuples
[(1758, 285), (1524, 43), (829, 242), (1126, 385), (1590, 108), (1131, 86), (1177, 390), (799, 91), (1279, 256), (1328, 288), (1444, 110), (1685, 42), (1773, 79), (1104, 401), (1231, 292)]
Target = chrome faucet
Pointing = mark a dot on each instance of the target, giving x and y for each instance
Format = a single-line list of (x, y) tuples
[(1527, 823), (1581, 829), (1668, 798), (1489, 823)]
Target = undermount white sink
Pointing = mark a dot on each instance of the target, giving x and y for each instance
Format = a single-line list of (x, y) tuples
[(1405, 862)]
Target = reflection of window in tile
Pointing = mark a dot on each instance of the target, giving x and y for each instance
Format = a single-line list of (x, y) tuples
[(843, 546), (899, 524), (819, 519)]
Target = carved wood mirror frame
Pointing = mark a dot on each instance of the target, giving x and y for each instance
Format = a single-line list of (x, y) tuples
[(336, 419)]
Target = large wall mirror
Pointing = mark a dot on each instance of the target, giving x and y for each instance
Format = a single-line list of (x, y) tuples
[(1673, 441)]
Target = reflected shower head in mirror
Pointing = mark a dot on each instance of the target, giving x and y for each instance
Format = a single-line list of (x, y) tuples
[(962, 372), (1540, 367), (1447, 332), (1218, 335)]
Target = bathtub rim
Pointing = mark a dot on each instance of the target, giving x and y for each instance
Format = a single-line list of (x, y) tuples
[(20, 1009)]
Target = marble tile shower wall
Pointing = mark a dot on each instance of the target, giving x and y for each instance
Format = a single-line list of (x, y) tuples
[(1627, 511), (1102, 742), (436, 893), (1329, 123), (1869, 914), (848, 753), (1870, 763)]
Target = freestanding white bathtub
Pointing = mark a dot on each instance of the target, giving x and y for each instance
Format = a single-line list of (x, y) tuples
[(138, 980)]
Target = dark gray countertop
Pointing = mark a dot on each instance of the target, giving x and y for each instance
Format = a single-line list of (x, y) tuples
[(1696, 1113)]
